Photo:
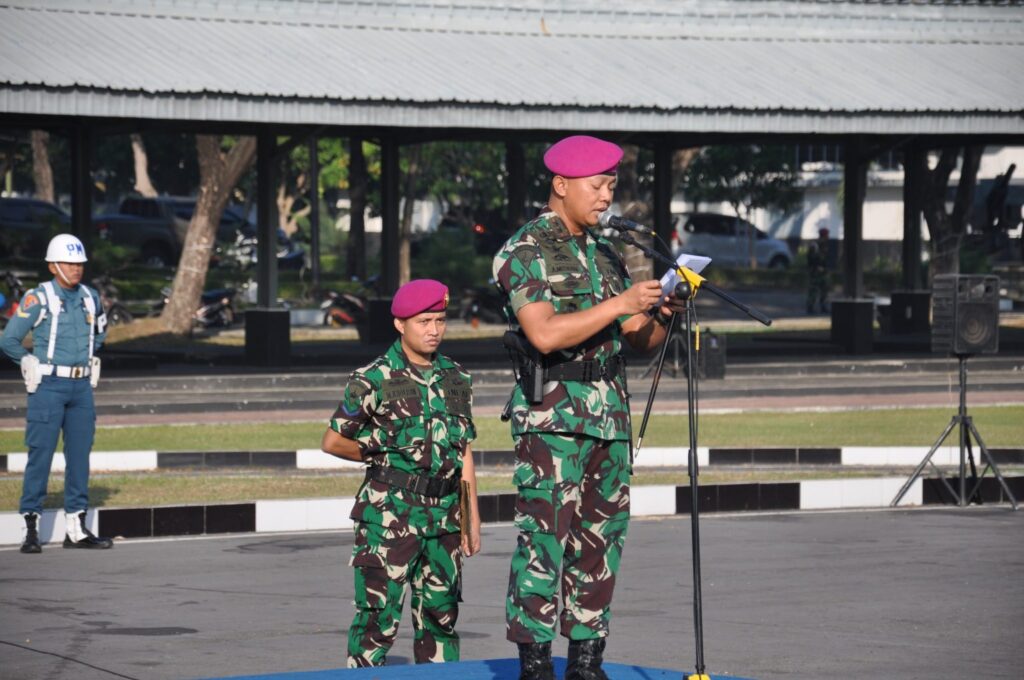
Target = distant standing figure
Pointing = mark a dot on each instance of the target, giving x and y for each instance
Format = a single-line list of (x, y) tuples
[(68, 325), (407, 415), (817, 273)]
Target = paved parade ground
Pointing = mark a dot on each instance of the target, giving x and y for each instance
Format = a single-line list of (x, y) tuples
[(894, 594)]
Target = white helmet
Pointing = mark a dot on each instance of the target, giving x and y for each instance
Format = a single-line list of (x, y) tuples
[(65, 248)]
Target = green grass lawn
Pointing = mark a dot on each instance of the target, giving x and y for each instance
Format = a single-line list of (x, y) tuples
[(1000, 426)]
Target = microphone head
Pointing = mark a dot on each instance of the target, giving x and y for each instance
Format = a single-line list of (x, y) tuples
[(605, 219)]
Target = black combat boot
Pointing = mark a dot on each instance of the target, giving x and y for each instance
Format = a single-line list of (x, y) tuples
[(535, 661), (585, 657), (31, 542), (79, 536)]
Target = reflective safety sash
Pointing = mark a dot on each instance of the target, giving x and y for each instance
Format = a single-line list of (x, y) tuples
[(53, 304)]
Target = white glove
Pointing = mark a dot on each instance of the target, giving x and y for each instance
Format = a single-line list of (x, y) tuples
[(94, 374), (30, 372)]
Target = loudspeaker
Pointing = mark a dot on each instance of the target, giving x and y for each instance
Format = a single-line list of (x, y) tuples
[(965, 314)]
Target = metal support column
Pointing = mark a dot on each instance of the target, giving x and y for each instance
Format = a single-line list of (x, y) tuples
[(266, 217), (515, 165), (915, 165), (854, 182), (662, 196), (390, 174), (81, 184), (314, 214)]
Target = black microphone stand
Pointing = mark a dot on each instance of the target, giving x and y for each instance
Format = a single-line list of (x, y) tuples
[(686, 290)]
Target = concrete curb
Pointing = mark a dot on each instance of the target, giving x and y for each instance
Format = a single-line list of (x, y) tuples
[(650, 457), (333, 513)]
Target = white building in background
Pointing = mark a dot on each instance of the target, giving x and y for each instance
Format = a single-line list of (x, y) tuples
[(883, 201)]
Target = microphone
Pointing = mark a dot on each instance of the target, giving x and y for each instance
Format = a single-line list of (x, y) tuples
[(622, 224)]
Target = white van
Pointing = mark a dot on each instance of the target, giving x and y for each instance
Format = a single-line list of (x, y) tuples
[(725, 239)]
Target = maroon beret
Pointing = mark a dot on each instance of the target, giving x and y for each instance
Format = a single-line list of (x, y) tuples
[(582, 156), (416, 297)]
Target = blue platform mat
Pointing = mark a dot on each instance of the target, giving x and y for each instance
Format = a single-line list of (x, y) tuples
[(492, 669)]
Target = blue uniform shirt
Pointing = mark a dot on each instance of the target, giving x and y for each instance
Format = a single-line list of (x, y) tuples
[(71, 347)]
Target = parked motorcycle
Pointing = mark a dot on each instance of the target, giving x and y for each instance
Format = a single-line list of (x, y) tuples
[(243, 252), (482, 304), (347, 309), (9, 303), (117, 313), (216, 307)]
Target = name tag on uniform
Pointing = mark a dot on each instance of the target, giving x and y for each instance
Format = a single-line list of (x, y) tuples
[(401, 387)]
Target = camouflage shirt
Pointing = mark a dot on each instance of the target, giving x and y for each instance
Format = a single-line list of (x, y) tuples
[(543, 262), (411, 424)]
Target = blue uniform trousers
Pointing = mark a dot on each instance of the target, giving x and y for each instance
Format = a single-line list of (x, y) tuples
[(59, 403)]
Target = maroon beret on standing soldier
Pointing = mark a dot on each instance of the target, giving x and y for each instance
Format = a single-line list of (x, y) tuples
[(418, 296)]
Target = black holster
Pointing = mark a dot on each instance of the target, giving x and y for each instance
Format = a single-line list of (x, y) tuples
[(528, 364)]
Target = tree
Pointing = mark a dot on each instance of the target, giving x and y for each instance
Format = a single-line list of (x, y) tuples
[(746, 176), (946, 228), (219, 172), (143, 184), (42, 171)]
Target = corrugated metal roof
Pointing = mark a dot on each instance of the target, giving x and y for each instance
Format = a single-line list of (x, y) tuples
[(688, 65)]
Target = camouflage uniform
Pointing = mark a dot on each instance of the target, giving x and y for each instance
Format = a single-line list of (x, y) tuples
[(572, 469), (402, 421), (817, 275)]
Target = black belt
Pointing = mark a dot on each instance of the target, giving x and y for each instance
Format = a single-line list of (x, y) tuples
[(435, 487), (586, 371)]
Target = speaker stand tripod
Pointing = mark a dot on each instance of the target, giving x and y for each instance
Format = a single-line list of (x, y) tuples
[(966, 424)]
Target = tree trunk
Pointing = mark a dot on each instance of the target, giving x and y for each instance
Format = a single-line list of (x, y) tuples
[(143, 184), (946, 229), (42, 171), (219, 173), (408, 208), (357, 183)]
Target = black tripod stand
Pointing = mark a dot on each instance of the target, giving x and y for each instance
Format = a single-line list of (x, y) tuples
[(686, 290), (967, 429), (674, 342)]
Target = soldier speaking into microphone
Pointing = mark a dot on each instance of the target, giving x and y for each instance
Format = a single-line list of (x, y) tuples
[(571, 303)]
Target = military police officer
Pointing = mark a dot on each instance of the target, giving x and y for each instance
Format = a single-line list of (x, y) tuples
[(408, 416), (68, 326), (570, 296)]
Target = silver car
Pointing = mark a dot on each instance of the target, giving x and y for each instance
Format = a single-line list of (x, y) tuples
[(726, 240)]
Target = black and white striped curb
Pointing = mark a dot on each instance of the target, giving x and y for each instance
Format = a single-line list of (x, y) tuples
[(646, 500), (314, 459)]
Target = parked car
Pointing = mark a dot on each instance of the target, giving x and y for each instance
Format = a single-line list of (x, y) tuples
[(26, 226), (725, 239), (156, 227)]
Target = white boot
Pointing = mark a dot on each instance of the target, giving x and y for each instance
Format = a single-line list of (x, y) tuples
[(78, 536)]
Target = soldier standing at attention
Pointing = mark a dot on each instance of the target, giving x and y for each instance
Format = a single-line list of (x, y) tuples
[(817, 273), (407, 415), (569, 294), (68, 325)]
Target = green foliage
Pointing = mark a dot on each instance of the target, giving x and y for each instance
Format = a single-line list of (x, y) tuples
[(108, 258), (448, 256), (748, 176), (973, 258)]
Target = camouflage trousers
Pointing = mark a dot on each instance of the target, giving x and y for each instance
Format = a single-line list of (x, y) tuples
[(817, 291), (572, 510), (385, 561)]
